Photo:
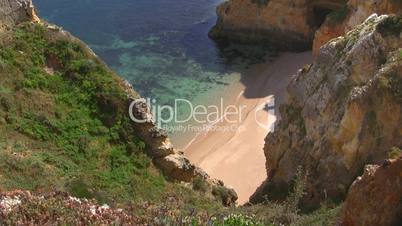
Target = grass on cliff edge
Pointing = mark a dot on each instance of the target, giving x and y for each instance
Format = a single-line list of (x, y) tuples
[(64, 126)]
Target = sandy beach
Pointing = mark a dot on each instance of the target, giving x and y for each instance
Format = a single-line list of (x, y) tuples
[(233, 150)]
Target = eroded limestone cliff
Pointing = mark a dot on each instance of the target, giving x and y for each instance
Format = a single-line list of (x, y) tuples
[(375, 197), (283, 23), (294, 25), (351, 15), (13, 12), (344, 111), (172, 162)]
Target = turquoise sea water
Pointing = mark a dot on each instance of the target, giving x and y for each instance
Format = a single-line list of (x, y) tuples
[(160, 46)]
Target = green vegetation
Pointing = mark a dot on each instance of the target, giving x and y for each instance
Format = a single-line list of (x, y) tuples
[(395, 153), (391, 26), (64, 123), (350, 39), (222, 193), (59, 209), (391, 84), (391, 81), (236, 220), (288, 212), (294, 116), (268, 213), (64, 127), (199, 184)]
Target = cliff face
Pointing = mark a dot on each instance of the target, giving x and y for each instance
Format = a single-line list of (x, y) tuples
[(281, 22), (14, 12), (344, 111), (294, 25), (285, 24), (170, 161), (351, 15), (383, 185)]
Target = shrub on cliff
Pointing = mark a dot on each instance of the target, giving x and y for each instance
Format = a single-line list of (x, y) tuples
[(391, 26), (64, 124)]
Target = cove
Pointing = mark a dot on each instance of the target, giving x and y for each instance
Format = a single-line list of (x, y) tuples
[(161, 47)]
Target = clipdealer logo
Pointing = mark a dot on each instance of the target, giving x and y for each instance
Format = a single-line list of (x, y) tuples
[(207, 116)]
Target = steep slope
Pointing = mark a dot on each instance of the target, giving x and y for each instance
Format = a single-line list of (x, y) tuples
[(64, 122), (343, 112), (351, 15), (283, 23), (384, 184), (13, 12), (294, 25)]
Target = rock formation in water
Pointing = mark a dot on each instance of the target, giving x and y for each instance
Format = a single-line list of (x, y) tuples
[(375, 198), (279, 22), (344, 111), (294, 25)]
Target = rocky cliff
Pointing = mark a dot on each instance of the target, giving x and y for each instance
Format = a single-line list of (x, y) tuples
[(375, 197), (351, 15), (280, 22), (172, 162), (294, 25), (343, 112), (14, 12)]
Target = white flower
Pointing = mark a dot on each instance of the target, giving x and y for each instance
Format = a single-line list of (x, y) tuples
[(75, 199), (8, 203)]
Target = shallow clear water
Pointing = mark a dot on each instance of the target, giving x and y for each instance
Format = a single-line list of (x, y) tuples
[(160, 46)]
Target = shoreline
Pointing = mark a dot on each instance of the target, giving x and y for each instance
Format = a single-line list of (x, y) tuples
[(182, 140), (233, 155)]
